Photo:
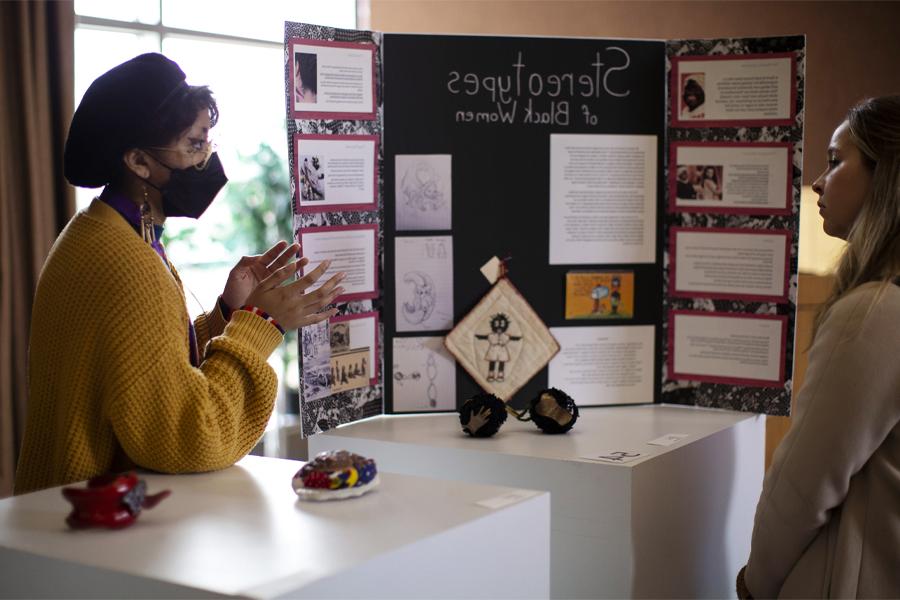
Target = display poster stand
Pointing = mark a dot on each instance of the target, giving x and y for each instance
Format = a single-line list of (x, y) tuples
[(644, 195)]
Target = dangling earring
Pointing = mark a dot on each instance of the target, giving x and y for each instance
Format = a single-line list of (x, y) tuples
[(148, 232)]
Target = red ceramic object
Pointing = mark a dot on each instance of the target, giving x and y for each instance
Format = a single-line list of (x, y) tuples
[(112, 501)]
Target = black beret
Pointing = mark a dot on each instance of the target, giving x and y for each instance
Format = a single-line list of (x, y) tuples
[(112, 116)]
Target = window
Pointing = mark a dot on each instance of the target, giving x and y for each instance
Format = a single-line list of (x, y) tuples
[(236, 48)]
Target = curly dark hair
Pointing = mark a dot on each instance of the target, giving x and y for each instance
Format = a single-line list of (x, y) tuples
[(177, 114), (693, 88), (499, 322)]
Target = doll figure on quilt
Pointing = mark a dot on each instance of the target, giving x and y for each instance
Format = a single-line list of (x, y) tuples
[(498, 340)]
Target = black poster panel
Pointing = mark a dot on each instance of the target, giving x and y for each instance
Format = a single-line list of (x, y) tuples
[(492, 103)]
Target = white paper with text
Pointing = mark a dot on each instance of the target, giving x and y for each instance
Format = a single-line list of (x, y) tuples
[(733, 348), (602, 199), (604, 365), (730, 264)]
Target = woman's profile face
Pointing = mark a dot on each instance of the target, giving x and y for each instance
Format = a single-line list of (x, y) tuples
[(710, 172), (844, 185), (190, 148)]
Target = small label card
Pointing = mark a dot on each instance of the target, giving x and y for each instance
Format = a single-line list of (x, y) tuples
[(492, 270), (617, 456), (668, 439), (507, 499)]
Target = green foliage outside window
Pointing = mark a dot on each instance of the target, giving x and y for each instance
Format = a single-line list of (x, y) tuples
[(261, 215)]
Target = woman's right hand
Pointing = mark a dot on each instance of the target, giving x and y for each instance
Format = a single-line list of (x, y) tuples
[(288, 304)]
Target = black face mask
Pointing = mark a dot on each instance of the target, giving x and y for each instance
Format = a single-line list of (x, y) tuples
[(190, 191)]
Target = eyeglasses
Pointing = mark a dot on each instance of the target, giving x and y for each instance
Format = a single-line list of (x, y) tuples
[(194, 148)]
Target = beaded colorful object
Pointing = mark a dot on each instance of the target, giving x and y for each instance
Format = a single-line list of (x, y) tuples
[(335, 475)]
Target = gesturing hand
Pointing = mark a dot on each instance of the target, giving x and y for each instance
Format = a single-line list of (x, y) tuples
[(250, 271), (288, 304)]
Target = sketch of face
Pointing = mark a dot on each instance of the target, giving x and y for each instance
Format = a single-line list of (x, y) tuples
[(315, 162), (682, 175), (427, 179), (424, 297), (421, 186)]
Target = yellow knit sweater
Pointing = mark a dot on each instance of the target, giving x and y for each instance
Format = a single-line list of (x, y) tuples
[(110, 377)]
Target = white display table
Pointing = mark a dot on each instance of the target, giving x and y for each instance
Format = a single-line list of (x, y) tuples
[(243, 532), (675, 522)]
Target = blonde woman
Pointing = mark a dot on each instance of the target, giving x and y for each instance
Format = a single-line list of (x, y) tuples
[(828, 519)]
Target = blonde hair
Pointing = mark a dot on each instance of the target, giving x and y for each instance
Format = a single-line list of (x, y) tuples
[(872, 252)]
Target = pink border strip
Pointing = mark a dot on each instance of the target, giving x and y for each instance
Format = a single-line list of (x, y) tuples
[(325, 206), (670, 366), (730, 210), (673, 233), (297, 114), (358, 316), (374, 228), (673, 85)]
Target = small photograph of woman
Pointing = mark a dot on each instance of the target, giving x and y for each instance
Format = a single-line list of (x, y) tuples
[(692, 95), (710, 188), (699, 182), (305, 78), (828, 520)]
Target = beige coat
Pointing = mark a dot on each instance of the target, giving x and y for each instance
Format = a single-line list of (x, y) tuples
[(828, 520)]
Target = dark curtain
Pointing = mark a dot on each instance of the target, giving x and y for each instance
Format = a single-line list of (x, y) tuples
[(36, 105)]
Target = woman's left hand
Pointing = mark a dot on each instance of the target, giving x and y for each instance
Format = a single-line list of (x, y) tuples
[(251, 270)]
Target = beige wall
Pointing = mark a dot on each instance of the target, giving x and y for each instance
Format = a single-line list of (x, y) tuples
[(853, 47)]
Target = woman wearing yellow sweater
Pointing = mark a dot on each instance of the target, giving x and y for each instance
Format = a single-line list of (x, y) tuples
[(118, 374)]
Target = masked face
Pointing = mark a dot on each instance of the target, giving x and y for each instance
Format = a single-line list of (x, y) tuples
[(190, 191), (187, 173)]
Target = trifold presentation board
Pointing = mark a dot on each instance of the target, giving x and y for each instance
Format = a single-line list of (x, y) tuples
[(643, 195)]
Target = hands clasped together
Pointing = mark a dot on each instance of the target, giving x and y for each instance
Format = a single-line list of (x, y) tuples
[(260, 281)]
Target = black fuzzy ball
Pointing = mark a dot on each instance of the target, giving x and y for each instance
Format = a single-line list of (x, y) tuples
[(482, 415), (553, 411)]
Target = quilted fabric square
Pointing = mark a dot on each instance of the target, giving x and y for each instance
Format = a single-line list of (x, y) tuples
[(502, 343)]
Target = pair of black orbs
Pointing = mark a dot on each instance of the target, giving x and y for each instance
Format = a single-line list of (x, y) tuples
[(553, 411)]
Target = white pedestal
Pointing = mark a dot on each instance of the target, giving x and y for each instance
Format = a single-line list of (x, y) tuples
[(674, 523), (243, 532)]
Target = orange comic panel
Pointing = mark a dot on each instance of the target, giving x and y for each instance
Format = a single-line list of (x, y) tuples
[(599, 295)]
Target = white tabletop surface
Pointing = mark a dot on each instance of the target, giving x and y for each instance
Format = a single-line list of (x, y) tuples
[(598, 430), (243, 530)]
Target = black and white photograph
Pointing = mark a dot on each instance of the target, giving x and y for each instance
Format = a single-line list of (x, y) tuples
[(315, 345), (312, 178)]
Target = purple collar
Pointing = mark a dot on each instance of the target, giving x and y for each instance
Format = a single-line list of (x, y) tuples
[(129, 211)]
